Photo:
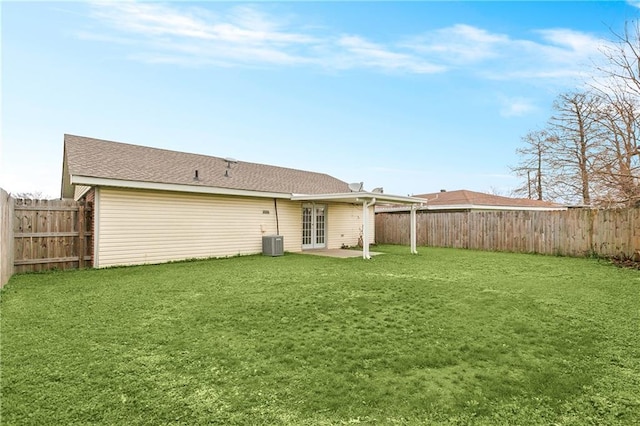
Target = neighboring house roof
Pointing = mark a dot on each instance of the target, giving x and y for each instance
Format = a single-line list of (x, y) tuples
[(471, 200), (466, 197), (88, 160)]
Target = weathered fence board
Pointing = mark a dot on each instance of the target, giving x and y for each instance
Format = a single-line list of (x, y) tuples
[(6, 237), (575, 232), (51, 234)]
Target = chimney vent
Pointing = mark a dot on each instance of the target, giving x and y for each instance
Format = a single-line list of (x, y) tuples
[(443, 190)]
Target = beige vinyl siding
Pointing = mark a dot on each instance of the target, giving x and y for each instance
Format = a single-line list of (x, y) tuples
[(79, 191), (343, 225), (290, 221), (372, 225), (145, 226), (137, 227)]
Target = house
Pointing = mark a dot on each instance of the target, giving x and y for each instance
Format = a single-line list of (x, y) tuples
[(154, 205), (464, 200)]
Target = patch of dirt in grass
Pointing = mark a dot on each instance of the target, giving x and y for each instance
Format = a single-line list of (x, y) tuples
[(623, 261)]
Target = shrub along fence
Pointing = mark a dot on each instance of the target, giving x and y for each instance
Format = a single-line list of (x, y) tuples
[(574, 232), (38, 235)]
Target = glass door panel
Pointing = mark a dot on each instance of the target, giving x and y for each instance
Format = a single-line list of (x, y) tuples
[(314, 229), (307, 225), (320, 228)]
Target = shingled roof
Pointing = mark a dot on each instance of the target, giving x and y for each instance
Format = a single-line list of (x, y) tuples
[(464, 197), (96, 158), (470, 200)]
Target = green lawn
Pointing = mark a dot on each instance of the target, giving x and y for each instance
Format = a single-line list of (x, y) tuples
[(443, 337)]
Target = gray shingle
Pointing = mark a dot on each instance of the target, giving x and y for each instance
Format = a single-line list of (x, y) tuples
[(114, 160)]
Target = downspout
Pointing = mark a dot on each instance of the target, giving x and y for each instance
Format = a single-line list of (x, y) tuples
[(365, 228), (96, 227), (275, 206)]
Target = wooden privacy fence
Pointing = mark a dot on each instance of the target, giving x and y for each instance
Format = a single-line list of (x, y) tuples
[(574, 232), (51, 234)]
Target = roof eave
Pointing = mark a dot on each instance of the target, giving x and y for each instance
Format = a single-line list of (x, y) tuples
[(492, 207), (357, 197), (475, 207), (197, 189)]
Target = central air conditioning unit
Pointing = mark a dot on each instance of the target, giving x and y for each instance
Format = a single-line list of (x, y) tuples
[(273, 245)]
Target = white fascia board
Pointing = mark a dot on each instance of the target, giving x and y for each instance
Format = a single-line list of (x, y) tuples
[(383, 198), (134, 184), (474, 207), (523, 208), (349, 197), (391, 209), (477, 207), (357, 197)]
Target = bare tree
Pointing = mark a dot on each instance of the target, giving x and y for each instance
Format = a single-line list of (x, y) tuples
[(575, 145), (590, 152), (618, 165), (533, 164), (36, 195), (623, 58)]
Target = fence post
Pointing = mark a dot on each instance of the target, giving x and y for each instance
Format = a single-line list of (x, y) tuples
[(591, 217), (6, 237)]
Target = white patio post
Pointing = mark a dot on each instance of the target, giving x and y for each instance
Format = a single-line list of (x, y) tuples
[(413, 229), (365, 230)]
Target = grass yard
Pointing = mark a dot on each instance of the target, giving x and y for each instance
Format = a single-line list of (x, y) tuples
[(443, 337)]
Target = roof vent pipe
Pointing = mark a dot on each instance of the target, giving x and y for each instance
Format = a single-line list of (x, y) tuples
[(443, 190), (195, 176)]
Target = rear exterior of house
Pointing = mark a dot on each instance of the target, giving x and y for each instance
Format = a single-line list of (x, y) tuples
[(135, 226), (154, 206)]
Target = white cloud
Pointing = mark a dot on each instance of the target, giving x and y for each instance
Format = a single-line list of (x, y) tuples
[(459, 44), (576, 41), (550, 54), (516, 107), (194, 36), (242, 25), (247, 36), (366, 53), (241, 36), (568, 46)]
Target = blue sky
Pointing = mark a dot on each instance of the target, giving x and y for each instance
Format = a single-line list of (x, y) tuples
[(413, 96)]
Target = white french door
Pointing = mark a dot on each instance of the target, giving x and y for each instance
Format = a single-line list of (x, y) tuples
[(314, 226)]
